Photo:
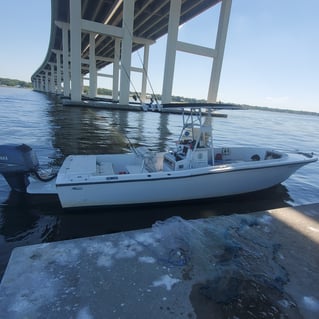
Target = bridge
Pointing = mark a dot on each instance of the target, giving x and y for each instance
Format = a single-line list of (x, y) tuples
[(88, 35)]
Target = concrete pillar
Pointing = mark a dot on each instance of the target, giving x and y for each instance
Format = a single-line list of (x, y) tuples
[(145, 72), (126, 52), (219, 48), (46, 83), (92, 68), (65, 53), (42, 83), (82, 83), (116, 69), (75, 35), (58, 73), (173, 23), (52, 79)]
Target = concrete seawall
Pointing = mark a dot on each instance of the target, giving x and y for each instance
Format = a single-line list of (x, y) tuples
[(259, 265)]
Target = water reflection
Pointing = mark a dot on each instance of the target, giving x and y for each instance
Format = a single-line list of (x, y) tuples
[(85, 131), (26, 225), (79, 130), (21, 225)]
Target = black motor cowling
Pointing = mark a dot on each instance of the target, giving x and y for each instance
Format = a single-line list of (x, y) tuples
[(16, 163)]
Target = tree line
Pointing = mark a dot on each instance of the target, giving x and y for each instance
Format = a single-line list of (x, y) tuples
[(15, 83)]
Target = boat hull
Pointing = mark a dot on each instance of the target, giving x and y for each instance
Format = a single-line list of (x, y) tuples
[(159, 187)]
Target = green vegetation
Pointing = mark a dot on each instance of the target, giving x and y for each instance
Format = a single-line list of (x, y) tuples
[(107, 92), (15, 83), (158, 97), (272, 109), (100, 91), (187, 99)]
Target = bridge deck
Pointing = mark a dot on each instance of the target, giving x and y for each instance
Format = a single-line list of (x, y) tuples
[(150, 22)]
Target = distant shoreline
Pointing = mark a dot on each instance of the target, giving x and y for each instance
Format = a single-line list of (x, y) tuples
[(4, 82), (273, 109)]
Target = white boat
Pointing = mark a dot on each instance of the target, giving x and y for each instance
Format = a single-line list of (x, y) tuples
[(193, 169)]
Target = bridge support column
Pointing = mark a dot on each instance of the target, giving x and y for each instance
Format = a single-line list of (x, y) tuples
[(52, 79), (92, 70), (46, 83), (219, 49), (65, 53), (42, 83), (36, 84), (116, 70), (126, 52), (145, 71), (75, 34), (58, 73), (174, 17)]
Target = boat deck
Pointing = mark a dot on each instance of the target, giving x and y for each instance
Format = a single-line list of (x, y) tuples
[(82, 166), (260, 265)]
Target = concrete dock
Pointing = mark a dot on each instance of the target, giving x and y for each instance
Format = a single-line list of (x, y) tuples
[(259, 265)]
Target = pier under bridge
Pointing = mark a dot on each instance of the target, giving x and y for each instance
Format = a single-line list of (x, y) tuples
[(88, 35)]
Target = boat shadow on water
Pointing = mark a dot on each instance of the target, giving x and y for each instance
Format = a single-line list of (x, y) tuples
[(110, 219)]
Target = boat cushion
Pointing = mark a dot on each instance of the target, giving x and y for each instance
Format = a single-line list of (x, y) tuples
[(104, 168)]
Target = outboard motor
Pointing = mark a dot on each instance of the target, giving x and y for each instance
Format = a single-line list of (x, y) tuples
[(16, 163)]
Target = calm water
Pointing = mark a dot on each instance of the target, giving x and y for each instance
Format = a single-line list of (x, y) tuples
[(55, 131)]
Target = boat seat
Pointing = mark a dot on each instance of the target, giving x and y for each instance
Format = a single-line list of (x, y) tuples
[(134, 169), (104, 168), (80, 164)]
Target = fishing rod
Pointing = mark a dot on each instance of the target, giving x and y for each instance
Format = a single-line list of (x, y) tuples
[(128, 76), (131, 146), (144, 69)]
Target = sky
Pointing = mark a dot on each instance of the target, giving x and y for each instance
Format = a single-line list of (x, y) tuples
[(271, 56)]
